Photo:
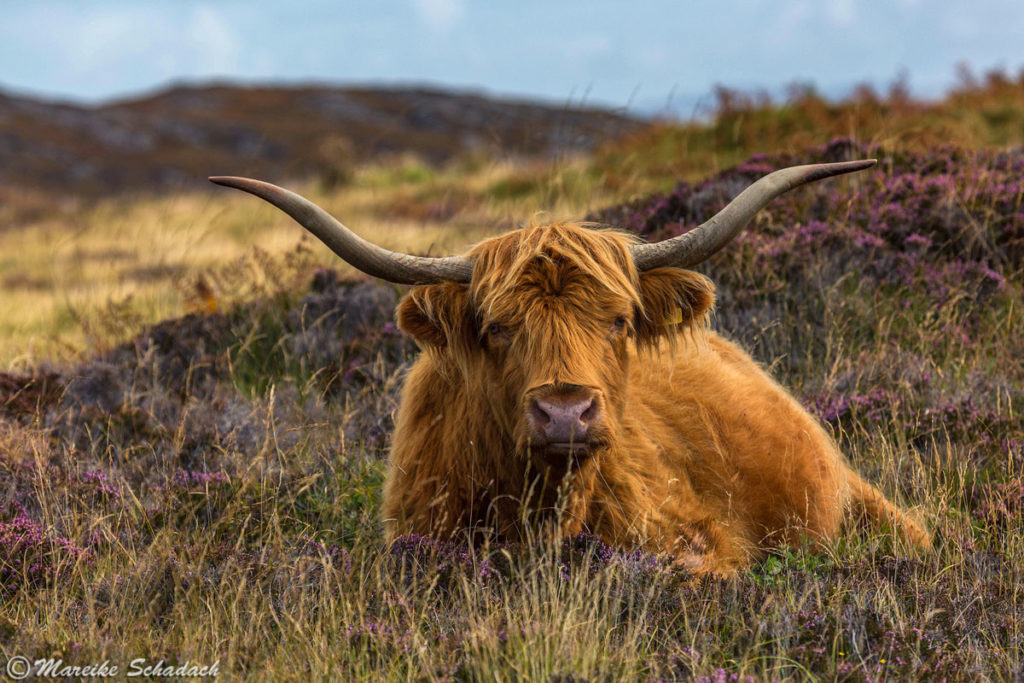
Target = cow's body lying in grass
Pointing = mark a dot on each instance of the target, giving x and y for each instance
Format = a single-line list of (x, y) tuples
[(691, 448), (568, 383)]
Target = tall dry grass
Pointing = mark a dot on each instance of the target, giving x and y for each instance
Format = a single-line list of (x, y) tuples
[(206, 489)]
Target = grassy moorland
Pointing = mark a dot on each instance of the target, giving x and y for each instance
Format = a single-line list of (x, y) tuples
[(206, 488), (73, 286)]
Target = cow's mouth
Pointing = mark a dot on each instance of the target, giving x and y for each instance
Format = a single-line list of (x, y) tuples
[(579, 450), (566, 448)]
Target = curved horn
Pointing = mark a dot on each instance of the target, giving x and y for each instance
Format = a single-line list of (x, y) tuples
[(703, 241), (403, 269)]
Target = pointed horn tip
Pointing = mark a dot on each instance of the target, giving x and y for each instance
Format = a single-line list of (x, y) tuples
[(815, 172), (260, 188), (236, 182), (847, 166), (864, 163)]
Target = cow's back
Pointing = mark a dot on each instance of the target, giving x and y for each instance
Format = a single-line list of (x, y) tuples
[(751, 451)]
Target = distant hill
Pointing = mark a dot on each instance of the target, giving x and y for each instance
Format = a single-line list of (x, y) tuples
[(172, 140)]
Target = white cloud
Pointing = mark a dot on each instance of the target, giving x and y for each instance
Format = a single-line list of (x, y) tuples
[(216, 47), (439, 15), (96, 48), (103, 38), (841, 12), (585, 47), (788, 24), (118, 48)]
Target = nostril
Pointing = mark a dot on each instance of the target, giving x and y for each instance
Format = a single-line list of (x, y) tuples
[(589, 412), (539, 415)]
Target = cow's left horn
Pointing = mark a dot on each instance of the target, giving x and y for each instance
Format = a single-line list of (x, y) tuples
[(404, 269), (704, 240)]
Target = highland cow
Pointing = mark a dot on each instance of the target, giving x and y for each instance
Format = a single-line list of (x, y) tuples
[(569, 383)]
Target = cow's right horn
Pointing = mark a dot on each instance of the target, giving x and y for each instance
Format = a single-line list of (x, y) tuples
[(404, 269), (704, 240)]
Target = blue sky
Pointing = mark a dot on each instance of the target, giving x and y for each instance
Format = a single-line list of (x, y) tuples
[(643, 55)]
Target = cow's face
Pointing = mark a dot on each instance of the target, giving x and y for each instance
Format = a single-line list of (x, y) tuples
[(542, 334)]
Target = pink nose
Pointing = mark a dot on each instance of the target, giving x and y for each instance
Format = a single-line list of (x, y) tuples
[(564, 419)]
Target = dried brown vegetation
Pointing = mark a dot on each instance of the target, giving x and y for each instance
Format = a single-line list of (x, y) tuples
[(209, 488)]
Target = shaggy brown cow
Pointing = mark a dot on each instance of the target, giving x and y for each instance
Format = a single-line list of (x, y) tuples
[(569, 383)]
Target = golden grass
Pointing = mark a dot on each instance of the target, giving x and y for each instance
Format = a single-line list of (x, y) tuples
[(73, 285), (249, 572)]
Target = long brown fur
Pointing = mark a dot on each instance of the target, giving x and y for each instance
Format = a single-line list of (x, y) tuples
[(702, 454)]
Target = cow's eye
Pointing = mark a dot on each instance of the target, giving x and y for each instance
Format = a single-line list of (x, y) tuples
[(495, 329), (620, 322)]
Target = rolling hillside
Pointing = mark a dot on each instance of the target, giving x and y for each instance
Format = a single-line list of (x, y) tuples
[(172, 140)]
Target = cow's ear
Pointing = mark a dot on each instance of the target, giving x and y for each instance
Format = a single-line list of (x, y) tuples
[(435, 315), (672, 298)]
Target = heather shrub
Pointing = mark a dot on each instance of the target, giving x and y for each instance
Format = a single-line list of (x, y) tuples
[(210, 488), (30, 555), (910, 262)]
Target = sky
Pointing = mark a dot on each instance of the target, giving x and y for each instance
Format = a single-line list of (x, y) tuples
[(642, 56)]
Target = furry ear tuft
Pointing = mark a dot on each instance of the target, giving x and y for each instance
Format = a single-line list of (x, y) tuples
[(671, 298), (436, 315)]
